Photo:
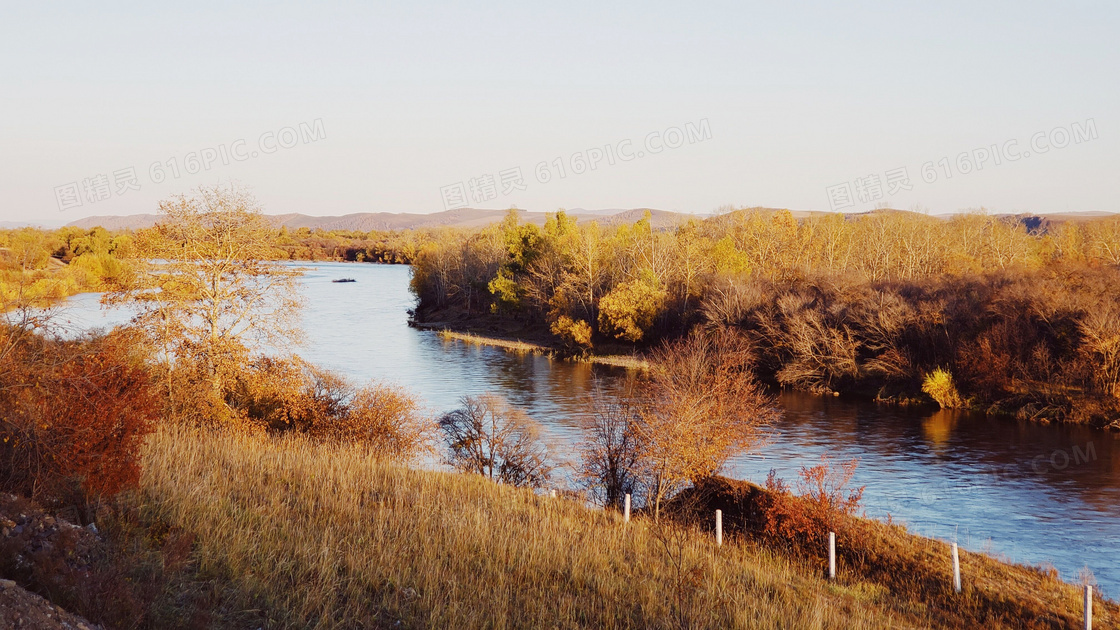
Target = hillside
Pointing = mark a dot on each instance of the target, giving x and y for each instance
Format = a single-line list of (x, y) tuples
[(303, 532)]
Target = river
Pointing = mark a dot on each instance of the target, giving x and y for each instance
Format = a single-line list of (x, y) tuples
[(1025, 491)]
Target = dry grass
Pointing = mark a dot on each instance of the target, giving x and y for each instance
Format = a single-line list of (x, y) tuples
[(628, 361), (508, 344), (995, 593), (325, 536)]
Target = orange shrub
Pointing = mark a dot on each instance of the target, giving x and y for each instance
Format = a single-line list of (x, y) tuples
[(72, 417), (822, 497), (279, 396)]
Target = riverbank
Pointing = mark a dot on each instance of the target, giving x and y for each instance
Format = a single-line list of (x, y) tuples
[(249, 531), (1019, 399), (512, 344)]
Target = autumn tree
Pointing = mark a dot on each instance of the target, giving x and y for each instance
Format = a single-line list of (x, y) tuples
[(206, 288), (1102, 239), (583, 276), (1100, 329), (702, 405), (522, 243), (630, 309)]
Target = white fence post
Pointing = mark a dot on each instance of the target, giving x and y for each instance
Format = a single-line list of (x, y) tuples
[(626, 517), (956, 570), (832, 555), (1088, 607), (552, 494), (719, 528)]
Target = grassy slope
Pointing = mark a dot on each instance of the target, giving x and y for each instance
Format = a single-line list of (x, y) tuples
[(317, 536)]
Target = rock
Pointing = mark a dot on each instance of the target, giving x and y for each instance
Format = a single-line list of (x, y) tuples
[(20, 608)]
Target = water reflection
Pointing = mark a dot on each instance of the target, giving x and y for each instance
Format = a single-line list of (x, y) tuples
[(1032, 492), (938, 428)]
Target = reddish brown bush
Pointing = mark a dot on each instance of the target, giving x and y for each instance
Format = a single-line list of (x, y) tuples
[(823, 497), (72, 417)]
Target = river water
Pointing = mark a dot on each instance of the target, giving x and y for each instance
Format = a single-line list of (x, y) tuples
[(1028, 492)]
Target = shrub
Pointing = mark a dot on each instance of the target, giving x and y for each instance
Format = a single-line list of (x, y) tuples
[(281, 396), (386, 417), (940, 387), (822, 497), (576, 334), (73, 415)]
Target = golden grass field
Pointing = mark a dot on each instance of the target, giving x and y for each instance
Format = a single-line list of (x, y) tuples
[(321, 536)]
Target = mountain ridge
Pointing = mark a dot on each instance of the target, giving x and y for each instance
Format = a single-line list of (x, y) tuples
[(369, 221), (479, 217)]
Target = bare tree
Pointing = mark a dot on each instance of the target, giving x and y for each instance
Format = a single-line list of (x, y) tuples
[(489, 437), (1100, 330), (677, 542), (610, 452)]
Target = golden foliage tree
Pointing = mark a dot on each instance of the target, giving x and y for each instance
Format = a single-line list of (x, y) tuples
[(206, 287), (631, 308)]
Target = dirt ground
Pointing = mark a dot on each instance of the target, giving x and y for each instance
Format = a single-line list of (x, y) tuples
[(26, 610)]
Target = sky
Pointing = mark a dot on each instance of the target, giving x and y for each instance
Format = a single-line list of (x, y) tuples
[(107, 108)]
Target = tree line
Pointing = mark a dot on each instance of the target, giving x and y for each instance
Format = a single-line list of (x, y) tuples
[(48, 265), (1014, 314)]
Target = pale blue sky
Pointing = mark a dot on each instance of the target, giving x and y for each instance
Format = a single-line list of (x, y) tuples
[(415, 97)]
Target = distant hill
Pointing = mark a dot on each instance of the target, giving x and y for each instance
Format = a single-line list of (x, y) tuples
[(115, 223), (474, 217), (367, 221)]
